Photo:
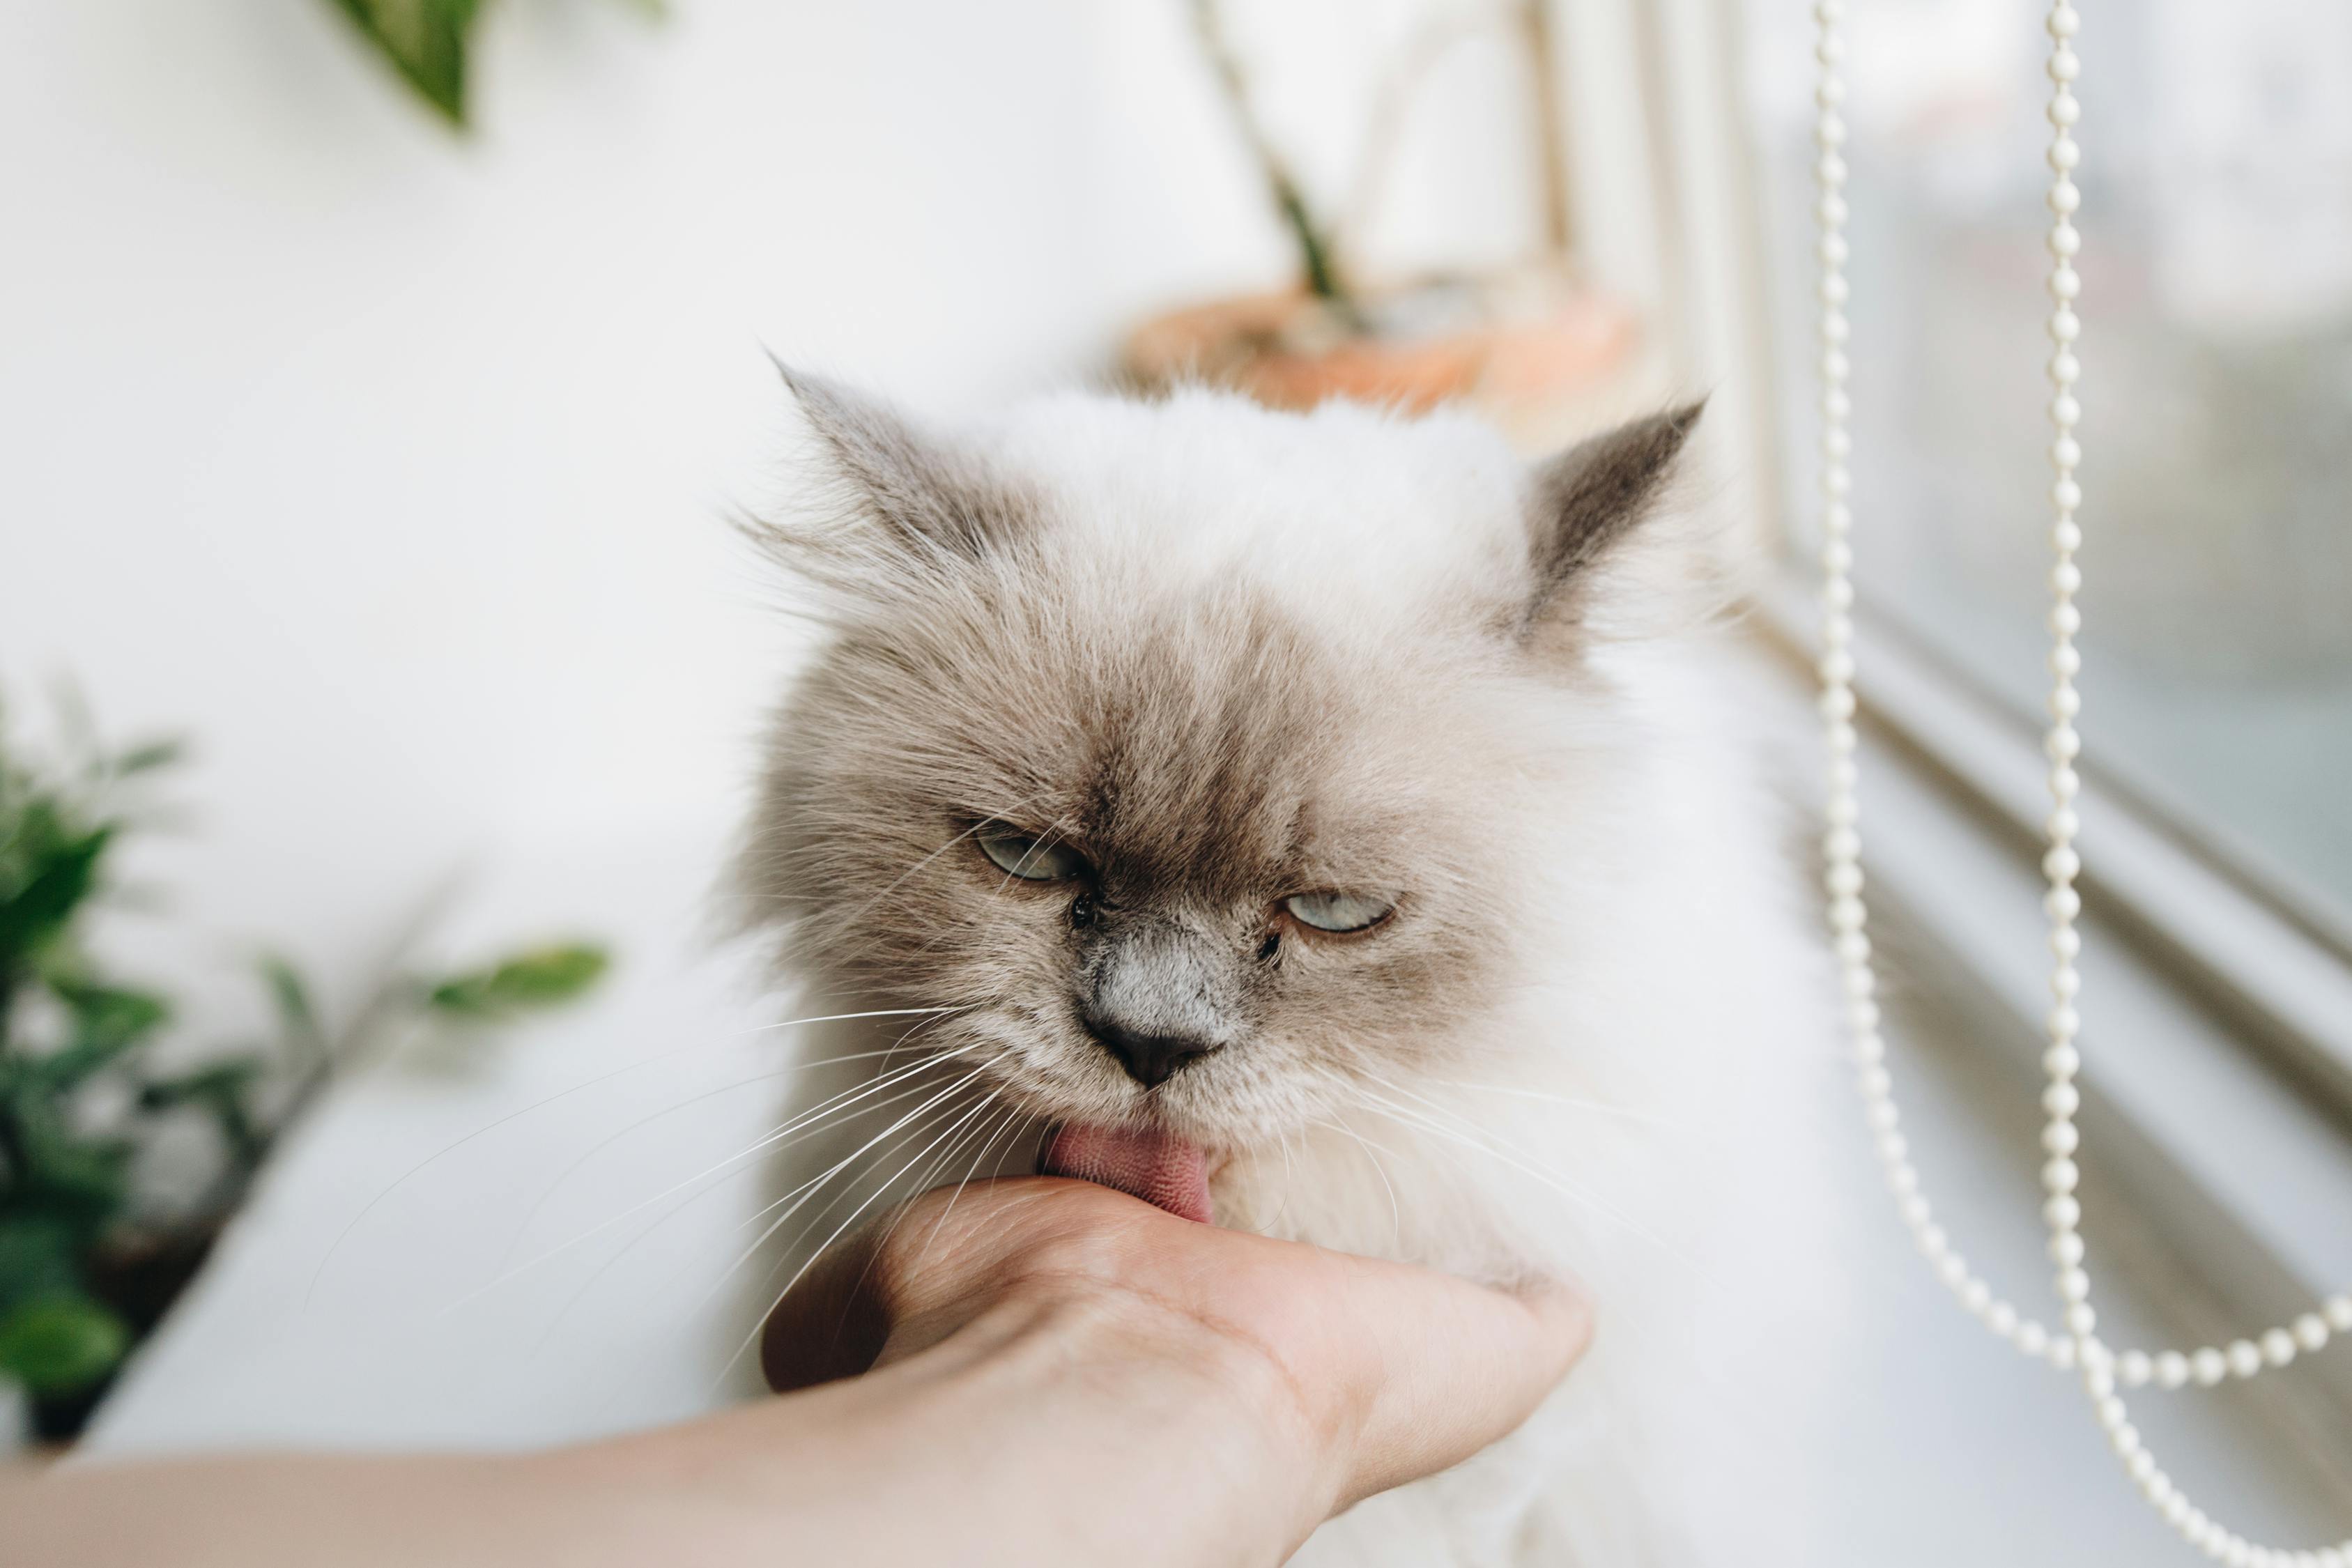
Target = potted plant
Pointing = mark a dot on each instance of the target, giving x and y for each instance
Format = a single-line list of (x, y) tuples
[(91, 1255), (1517, 342)]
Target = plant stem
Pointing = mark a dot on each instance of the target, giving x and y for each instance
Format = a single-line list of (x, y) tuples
[(1316, 257), (1551, 126)]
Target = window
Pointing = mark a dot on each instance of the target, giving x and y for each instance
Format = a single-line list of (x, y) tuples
[(2218, 687), (2217, 389)]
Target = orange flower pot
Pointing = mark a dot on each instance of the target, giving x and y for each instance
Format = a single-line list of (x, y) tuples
[(1518, 347)]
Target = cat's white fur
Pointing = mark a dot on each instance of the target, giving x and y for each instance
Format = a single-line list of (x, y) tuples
[(1621, 1107)]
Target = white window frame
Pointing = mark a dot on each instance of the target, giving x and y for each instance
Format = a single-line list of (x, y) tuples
[(2220, 1112)]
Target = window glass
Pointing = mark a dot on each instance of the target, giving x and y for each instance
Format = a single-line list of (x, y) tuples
[(2217, 385)]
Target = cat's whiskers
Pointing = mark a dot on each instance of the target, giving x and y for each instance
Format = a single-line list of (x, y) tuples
[(1290, 1177), (596, 1148), (802, 1125), (831, 1018), (547, 1333), (1396, 1214), (792, 1203), (991, 1126), (311, 1291), (1058, 825), (912, 1070), (965, 1010), (1550, 1180), (1453, 1128), (1576, 1102), (875, 1195), (899, 880), (1018, 1121)]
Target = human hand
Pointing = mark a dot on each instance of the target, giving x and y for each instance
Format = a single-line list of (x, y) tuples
[(1284, 1381), (1052, 1374)]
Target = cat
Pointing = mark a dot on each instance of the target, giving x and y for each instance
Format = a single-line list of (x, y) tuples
[(1330, 826)]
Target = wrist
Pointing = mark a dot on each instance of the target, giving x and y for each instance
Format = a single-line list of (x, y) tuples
[(1100, 1379), (1017, 1436)]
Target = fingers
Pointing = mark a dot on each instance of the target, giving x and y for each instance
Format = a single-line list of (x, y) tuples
[(1394, 1372), (1436, 1368), (914, 1277)]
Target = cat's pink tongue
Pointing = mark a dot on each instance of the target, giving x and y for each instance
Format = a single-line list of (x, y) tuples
[(1157, 1167)]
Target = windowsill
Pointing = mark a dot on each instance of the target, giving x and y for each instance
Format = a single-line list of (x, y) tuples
[(2286, 988), (2218, 1076)]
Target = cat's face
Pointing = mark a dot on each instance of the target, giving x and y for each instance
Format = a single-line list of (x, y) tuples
[(1184, 824)]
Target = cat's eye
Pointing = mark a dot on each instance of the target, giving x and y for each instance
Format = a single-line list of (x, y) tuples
[(1339, 912), (1029, 858)]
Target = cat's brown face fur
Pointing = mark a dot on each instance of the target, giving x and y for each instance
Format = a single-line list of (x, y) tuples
[(1206, 745)]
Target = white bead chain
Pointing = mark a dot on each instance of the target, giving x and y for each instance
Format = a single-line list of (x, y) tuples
[(2076, 1345)]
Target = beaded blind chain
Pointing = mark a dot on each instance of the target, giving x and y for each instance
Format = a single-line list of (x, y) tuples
[(2072, 1344)]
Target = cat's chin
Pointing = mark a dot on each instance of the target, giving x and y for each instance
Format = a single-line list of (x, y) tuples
[(1162, 1169)]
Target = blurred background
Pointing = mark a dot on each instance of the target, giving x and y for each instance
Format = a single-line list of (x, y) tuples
[(375, 376)]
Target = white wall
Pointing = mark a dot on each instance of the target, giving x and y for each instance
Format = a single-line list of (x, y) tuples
[(388, 463)]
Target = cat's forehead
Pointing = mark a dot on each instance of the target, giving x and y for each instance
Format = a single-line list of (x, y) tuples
[(1214, 743), (1348, 508)]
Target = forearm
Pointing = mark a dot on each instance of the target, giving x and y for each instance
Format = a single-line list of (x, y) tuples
[(1043, 1433), (281, 1510)]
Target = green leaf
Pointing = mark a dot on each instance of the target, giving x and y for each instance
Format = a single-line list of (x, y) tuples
[(83, 1182), (298, 1015), (146, 758), (110, 1011), (61, 1343), (108, 1022), (536, 977), (221, 1090), (57, 874), (40, 1255), (214, 1086), (426, 42)]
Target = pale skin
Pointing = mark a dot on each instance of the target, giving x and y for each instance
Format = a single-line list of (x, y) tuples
[(1035, 1372)]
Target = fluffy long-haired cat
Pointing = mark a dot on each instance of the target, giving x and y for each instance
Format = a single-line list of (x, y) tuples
[(1321, 824)]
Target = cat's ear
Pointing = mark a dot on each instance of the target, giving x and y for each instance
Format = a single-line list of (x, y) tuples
[(1587, 509), (898, 499)]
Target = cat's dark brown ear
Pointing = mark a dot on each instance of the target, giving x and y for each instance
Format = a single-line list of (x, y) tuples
[(1584, 504), (931, 504)]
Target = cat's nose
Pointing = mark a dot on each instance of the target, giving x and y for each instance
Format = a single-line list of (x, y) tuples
[(1150, 1059)]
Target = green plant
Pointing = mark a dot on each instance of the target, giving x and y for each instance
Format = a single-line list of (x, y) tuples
[(1321, 242), (89, 1258), (426, 41), (1318, 259)]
